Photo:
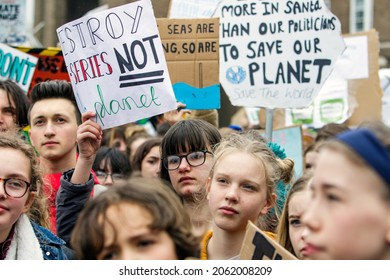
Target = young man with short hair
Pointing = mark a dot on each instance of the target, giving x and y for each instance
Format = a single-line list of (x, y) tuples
[(54, 120)]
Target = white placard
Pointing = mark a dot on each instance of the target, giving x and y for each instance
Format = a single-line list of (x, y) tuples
[(116, 64), (330, 106), (192, 8), (276, 54), (14, 25), (384, 76), (353, 63)]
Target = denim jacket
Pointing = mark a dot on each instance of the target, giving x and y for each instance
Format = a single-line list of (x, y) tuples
[(53, 247)]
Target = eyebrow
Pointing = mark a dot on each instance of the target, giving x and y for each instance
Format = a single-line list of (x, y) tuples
[(294, 216), (45, 117), (152, 156), (327, 186), (17, 176), (9, 106)]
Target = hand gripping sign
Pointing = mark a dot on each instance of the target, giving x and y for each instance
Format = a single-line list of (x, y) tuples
[(276, 54)]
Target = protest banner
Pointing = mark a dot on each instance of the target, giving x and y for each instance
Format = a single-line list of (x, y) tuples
[(276, 54), (116, 64), (330, 106), (192, 8), (13, 22), (50, 65), (17, 66), (352, 92), (258, 246), (192, 53)]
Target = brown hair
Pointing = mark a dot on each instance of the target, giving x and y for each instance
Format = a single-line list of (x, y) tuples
[(283, 232), (329, 131), (187, 135), (38, 211), (150, 193), (210, 116), (143, 150), (15, 92), (54, 89)]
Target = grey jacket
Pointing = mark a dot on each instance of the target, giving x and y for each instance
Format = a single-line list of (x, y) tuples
[(70, 200)]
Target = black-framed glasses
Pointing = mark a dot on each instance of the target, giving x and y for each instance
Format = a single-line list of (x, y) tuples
[(102, 176), (194, 159), (15, 187)]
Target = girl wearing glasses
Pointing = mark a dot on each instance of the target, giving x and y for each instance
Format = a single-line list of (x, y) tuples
[(111, 166), (238, 195), (348, 216), (186, 162), (20, 184)]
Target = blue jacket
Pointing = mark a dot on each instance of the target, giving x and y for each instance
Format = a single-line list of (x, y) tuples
[(53, 247)]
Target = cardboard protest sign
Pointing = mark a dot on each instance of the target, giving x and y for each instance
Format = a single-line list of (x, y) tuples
[(365, 92), (192, 53), (192, 8), (50, 65), (258, 246), (276, 54), (17, 66), (116, 64)]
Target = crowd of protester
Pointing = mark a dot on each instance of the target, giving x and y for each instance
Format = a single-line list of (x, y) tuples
[(186, 190)]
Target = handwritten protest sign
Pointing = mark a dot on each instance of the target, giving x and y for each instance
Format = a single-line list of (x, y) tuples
[(258, 246), (116, 64), (192, 53), (17, 66), (276, 54), (352, 92), (50, 65), (13, 22), (330, 106)]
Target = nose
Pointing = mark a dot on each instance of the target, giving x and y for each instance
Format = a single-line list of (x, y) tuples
[(184, 164), (2, 189), (311, 218), (109, 181), (49, 129), (305, 233), (232, 194), (157, 170), (129, 254)]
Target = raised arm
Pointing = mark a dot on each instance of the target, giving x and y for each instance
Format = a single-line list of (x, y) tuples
[(77, 184), (89, 137)]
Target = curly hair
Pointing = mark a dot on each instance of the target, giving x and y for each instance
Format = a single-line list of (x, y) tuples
[(38, 211)]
